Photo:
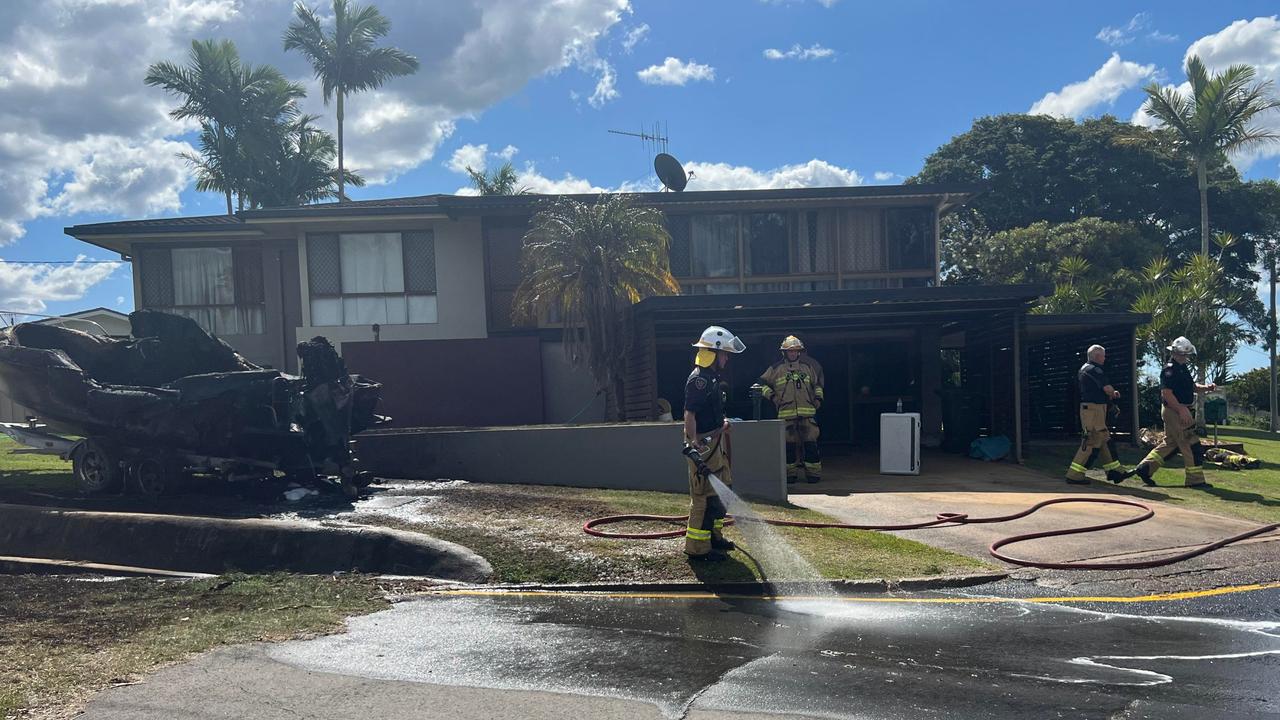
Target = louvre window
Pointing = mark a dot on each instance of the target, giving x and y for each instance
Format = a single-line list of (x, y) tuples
[(372, 278), (220, 288)]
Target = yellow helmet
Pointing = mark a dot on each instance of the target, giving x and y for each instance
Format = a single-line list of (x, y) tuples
[(791, 342)]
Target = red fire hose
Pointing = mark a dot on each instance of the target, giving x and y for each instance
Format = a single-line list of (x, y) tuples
[(956, 519)]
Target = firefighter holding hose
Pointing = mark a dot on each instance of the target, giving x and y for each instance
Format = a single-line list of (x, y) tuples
[(706, 435), (794, 384)]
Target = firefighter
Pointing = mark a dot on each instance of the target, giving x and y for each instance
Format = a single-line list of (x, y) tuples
[(1178, 395), (1096, 395), (706, 430), (794, 384)]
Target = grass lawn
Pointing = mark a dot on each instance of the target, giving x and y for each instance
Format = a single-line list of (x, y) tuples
[(36, 473), (534, 534), (1249, 494), (63, 639)]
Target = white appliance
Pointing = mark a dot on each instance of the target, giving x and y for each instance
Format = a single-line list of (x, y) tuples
[(900, 444)]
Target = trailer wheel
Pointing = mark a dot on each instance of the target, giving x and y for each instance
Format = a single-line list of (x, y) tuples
[(95, 467), (152, 475)]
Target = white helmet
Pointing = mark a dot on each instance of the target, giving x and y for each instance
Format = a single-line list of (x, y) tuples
[(1182, 346), (717, 338)]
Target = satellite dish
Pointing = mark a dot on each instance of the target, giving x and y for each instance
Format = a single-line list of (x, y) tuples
[(670, 172)]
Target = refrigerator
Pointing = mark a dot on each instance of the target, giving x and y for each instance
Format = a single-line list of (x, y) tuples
[(900, 444)]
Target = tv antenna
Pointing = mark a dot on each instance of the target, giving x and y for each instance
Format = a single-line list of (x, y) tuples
[(669, 170)]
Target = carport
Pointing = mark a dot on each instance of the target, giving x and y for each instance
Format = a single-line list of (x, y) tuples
[(960, 356)]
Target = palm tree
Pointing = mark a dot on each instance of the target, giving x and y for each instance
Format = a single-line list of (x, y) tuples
[(591, 262), (231, 101), (345, 60), (499, 182), (1216, 119), (296, 166)]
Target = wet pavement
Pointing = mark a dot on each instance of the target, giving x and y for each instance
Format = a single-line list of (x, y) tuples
[(952, 654)]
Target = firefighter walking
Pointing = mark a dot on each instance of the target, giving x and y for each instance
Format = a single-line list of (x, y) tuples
[(706, 431), (1177, 396), (794, 384), (1096, 395)]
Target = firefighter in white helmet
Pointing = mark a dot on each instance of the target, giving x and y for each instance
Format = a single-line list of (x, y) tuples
[(1177, 395), (794, 384), (706, 431)]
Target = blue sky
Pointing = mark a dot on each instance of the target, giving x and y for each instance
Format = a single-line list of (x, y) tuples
[(857, 92)]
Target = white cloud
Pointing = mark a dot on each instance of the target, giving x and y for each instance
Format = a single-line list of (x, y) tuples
[(468, 156), (1158, 36), (119, 300), (634, 37), (702, 176), (27, 288), (1103, 87), (674, 71), (813, 52), (80, 132), (1123, 35), (1253, 42), (815, 173), (508, 152), (884, 176)]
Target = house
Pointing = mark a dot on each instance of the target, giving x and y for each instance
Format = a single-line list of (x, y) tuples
[(418, 291)]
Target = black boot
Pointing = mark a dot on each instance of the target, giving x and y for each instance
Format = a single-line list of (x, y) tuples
[(1119, 476), (1144, 474)]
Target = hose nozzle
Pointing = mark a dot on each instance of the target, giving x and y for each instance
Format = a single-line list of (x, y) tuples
[(692, 453)]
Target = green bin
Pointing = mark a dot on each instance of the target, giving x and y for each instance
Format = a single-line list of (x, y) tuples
[(1215, 411)]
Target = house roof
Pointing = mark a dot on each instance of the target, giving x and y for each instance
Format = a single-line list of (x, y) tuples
[(93, 311), (837, 309), (452, 205)]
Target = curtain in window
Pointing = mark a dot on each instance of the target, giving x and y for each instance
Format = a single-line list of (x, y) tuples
[(815, 241), (768, 252), (862, 240), (715, 245), (203, 276), (372, 263)]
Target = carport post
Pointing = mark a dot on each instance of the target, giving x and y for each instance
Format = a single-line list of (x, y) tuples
[(1133, 384), (1017, 386)]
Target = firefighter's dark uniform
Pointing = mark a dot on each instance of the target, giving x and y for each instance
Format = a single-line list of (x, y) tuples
[(1096, 441), (796, 390), (1179, 437), (703, 397)]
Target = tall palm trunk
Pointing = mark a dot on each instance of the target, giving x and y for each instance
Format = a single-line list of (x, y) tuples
[(342, 173), (226, 181), (1202, 182)]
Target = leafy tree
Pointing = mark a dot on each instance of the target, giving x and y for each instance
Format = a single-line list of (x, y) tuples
[(1040, 253), (1252, 389), (229, 99), (590, 262), (293, 165), (1074, 293), (502, 181), (345, 58), (1215, 120)]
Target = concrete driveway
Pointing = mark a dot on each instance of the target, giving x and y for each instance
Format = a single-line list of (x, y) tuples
[(853, 491)]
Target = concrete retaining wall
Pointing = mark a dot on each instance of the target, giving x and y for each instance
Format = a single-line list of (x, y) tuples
[(628, 456), (212, 545)]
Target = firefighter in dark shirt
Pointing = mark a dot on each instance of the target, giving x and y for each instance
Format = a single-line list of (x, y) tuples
[(705, 430), (1095, 395), (1178, 395)]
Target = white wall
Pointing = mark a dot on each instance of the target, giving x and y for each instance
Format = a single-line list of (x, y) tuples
[(460, 299)]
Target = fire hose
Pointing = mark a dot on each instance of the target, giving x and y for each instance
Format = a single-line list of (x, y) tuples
[(950, 519)]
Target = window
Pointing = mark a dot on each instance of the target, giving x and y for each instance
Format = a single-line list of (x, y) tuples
[(910, 232), (767, 250), (678, 228), (862, 240), (218, 287), (368, 278), (815, 241), (714, 245)]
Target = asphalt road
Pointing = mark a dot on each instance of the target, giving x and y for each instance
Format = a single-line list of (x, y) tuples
[(954, 654)]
